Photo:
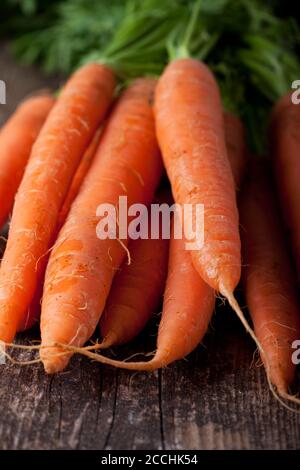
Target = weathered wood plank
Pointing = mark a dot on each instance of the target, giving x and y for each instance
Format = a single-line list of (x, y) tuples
[(212, 400), (226, 403)]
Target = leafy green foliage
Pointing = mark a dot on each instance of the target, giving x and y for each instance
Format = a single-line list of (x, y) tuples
[(251, 48), (59, 36)]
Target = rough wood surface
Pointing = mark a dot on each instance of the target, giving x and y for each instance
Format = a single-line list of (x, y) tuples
[(212, 400)]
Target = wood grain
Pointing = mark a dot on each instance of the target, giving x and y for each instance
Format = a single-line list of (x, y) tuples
[(212, 400)]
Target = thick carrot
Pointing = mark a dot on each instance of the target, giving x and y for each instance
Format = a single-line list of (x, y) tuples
[(48, 175), (133, 293), (81, 266), (34, 310), (17, 137), (285, 142), (268, 279), (190, 130), (188, 301)]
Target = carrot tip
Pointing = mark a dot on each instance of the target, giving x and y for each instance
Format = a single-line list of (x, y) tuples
[(54, 359), (279, 393)]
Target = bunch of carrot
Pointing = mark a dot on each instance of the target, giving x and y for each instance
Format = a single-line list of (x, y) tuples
[(60, 159)]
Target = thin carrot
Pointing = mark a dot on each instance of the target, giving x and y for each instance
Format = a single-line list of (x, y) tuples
[(136, 290), (285, 142), (269, 279), (129, 304), (81, 266), (48, 175), (78, 179), (187, 309), (235, 138), (17, 137), (188, 301)]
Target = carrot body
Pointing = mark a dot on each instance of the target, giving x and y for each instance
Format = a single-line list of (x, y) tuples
[(235, 138), (81, 266), (53, 162), (188, 300), (268, 278), (285, 140), (136, 292), (34, 310), (78, 179), (17, 137), (190, 132)]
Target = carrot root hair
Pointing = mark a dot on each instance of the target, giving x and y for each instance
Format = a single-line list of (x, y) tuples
[(280, 394)]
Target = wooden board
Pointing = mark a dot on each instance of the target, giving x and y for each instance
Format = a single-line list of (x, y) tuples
[(214, 399)]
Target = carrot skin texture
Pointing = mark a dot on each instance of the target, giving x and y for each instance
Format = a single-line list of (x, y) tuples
[(187, 309), (136, 291), (285, 150), (138, 288), (190, 130), (17, 137), (78, 179), (48, 175), (34, 310), (81, 267), (268, 277), (235, 138)]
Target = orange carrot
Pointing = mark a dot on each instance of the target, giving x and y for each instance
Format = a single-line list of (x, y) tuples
[(285, 140), (190, 132), (48, 175), (268, 279), (187, 310), (78, 179), (17, 137), (188, 301), (235, 138), (136, 291), (133, 294), (34, 310), (81, 266)]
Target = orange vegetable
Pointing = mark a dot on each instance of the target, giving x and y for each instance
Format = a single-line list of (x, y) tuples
[(78, 179), (190, 130), (235, 138), (136, 290), (188, 301), (49, 173), (268, 278), (285, 140), (34, 310), (81, 266), (17, 137)]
